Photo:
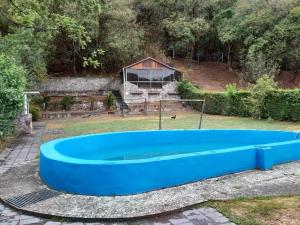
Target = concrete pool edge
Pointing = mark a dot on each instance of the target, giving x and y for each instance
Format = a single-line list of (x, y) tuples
[(282, 180), (65, 173)]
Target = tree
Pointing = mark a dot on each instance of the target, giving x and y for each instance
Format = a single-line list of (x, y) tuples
[(281, 44), (121, 37), (12, 86), (257, 66), (184, 32), (36, 24)]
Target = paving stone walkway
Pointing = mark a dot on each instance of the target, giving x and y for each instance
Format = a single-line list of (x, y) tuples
[(26, 148)]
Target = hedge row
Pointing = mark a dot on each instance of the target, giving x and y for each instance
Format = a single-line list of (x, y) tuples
[(283, 104), (279, 104), (217, 103)]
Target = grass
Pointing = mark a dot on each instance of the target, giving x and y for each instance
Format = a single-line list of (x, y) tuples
[(78, 126), (258, 211), (6, 142)]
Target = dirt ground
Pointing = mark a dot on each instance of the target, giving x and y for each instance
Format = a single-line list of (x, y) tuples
[(214, 76), (209, 76)]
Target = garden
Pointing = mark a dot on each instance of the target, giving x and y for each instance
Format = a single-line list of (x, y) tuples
[(241, 58)]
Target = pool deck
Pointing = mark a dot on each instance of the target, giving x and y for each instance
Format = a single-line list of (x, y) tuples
[(18, 181), (25, 148), (181, 201)]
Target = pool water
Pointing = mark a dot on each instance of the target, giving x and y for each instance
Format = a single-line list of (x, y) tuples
[(129, 152)]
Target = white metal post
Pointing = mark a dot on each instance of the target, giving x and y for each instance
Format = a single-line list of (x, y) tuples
[(124, 85), (25, 107)]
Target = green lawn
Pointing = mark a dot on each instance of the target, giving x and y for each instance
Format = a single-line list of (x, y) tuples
[(188, 120), (281, 210), (265, 211)]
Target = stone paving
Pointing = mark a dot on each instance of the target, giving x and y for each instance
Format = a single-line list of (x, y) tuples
[(26, 148)]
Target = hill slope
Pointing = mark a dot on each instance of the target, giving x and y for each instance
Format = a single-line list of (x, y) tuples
[(214, 76)]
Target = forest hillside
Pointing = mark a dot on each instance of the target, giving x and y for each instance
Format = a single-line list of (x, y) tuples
[(66, 37)]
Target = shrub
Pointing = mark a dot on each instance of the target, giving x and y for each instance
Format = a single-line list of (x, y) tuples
[(35, 111), (264, 100), (42, 102), (283, 104), (257, 66), (214, 102), (12, 86), (257, 98), (232, 102), (47, 100), (37, 100), (236, 101), (67, 102), (110, 100), (187, 90)]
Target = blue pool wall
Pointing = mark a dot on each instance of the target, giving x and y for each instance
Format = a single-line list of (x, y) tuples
[(125, 177)]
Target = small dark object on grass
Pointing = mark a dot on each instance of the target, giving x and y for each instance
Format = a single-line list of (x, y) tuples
[(173, 117), (86, 116)]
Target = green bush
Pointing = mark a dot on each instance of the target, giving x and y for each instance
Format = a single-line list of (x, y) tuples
[(35, 111), (37, 100), (67, 102), (236, 102), (214, 102), (232, 102), (257, 98), (283, 104), (264, 100), (12, 86), (42, 101), (110, 100)]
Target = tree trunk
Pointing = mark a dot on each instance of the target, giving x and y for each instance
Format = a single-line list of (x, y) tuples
[(74, 60), (229, 59)]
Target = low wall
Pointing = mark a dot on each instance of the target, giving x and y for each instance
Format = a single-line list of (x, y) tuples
[(79, 84)]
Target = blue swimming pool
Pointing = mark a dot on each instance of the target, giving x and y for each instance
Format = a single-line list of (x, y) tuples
[(124, 163)]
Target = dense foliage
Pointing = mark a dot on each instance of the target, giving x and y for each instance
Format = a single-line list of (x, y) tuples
[(12, 85), (67, 102), (35, 112), (257, 99), (255, 34), (231, 102), (110, 101), (260, 101), (51, 36)]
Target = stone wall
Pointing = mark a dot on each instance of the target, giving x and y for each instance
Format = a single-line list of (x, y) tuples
[(82, 89), (79, 84), (23, 124)]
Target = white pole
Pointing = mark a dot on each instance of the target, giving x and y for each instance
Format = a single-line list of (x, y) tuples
[(26, 101), (124, 85), (25, 105)]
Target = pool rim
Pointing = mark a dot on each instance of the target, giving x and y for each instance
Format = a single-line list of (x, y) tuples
[(57, 156)]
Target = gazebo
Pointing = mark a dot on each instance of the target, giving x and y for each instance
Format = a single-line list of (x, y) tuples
[(149, 79)]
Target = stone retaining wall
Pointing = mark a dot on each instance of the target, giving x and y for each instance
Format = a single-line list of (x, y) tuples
[(79, 84)]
